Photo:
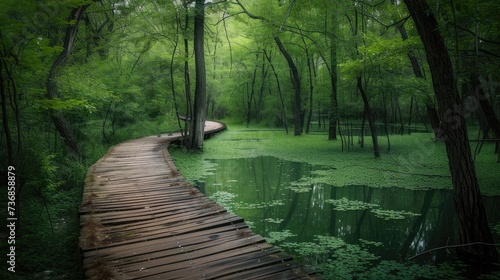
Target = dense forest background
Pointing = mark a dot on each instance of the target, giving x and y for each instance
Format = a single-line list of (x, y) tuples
[(77, 77)]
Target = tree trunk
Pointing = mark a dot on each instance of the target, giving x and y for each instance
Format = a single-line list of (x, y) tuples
[(5, 118), (489, 111), (369, 115), (296, 86), (311, 90), (472, 222), (172, 80), (282, 100), (187, 79), (200, 101), (60, 122), (250, 97), (333, 112), (417, 71)]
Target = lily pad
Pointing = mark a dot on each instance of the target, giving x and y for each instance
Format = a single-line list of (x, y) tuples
[(392, 214), (345, 204)]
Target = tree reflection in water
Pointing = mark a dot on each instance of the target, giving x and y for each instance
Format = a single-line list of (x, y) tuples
[(382, 225)]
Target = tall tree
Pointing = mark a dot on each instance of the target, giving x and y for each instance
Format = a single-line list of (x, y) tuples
[(360, 84), (472, 222), (417, 71), (334, 108), (278, 85), (294, 76), (196, 132), (60, 122), (187, 78), (5, 114)]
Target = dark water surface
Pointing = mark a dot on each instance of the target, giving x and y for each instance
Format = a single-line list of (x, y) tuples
[(280, 198)]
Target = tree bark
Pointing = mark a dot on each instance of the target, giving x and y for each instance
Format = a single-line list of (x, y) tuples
[(296, 86), (472, 222), (200, 100)]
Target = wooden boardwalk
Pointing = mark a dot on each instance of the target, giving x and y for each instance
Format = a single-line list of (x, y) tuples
[(140, 219)]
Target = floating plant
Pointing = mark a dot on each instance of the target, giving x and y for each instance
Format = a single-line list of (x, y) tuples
[(260, 205), (277, 236), (274, 221), (225, 199), (345, 204), (301, 186), (392, 214)]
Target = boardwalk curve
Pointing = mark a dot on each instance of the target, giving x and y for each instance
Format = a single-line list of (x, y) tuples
[(140, 219)]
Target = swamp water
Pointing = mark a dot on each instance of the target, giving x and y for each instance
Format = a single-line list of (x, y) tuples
[(348, 232)]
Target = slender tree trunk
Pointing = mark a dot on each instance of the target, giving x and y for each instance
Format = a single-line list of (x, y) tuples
[(310, 66), (369, 115), (417, 71), (475, 80), (172, 80), (362, 132), (5, 118), (187, 80), (385, 124), (200, 100), (489, 111), (401, 122), (258, 105), (105, 120), (411, 115), (60, 122), (252, 92), (296, 86), (472, 222), (333, 112), (311, 90), (282, 100)]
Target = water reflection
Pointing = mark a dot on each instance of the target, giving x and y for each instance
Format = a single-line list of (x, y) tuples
[(282, 196)]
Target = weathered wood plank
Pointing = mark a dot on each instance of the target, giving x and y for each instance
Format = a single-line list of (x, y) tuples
[(178, 240), (140, 219)]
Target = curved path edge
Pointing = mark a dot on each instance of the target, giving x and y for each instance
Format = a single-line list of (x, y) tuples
[(141, 219)]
